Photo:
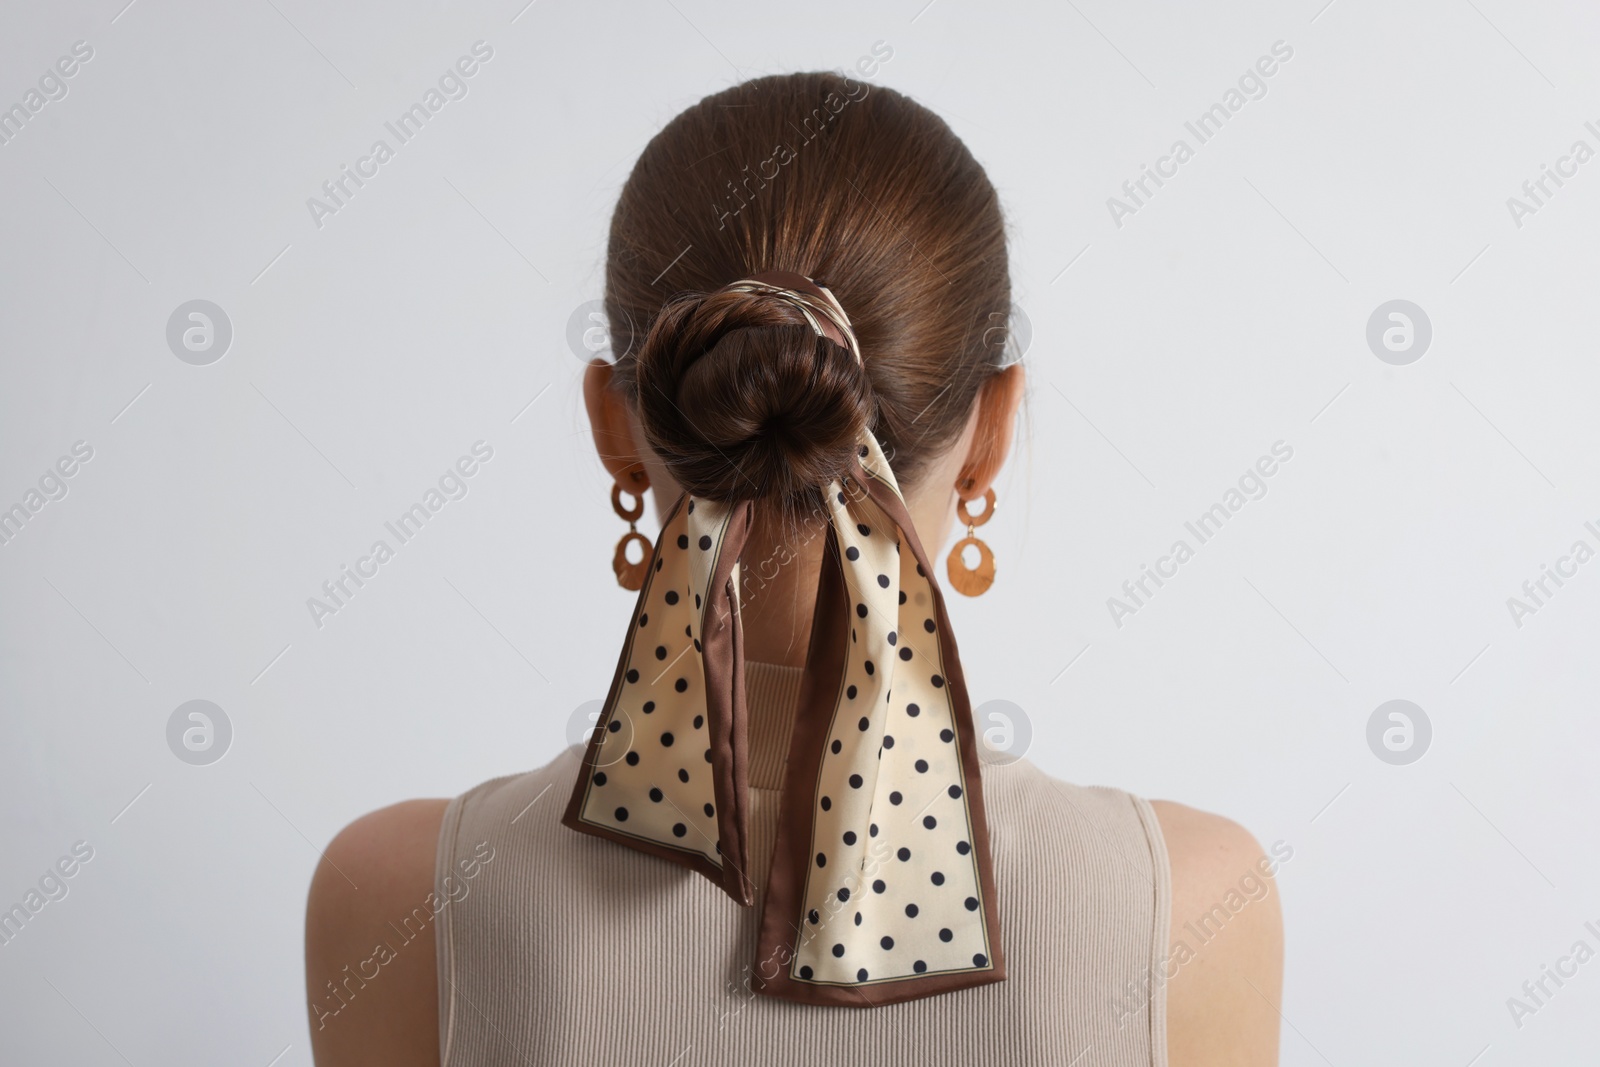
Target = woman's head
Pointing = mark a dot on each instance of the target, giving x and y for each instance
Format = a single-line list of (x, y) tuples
[(733, 396)]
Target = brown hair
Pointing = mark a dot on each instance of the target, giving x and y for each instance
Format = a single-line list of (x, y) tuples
[(856, 186)]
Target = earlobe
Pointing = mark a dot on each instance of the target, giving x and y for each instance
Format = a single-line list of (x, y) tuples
[(608, 422)]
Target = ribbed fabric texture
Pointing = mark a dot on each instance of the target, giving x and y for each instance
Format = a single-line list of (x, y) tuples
[(568, 949), (772, 695)]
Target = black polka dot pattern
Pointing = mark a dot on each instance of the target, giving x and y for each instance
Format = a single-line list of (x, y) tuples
[(887, 768), (647, 785), (891, 890)]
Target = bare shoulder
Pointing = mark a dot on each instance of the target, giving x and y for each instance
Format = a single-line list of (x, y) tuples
[(1225, 969), (370, 959)]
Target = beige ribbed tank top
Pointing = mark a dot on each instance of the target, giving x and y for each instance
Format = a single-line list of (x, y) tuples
[(561, 948)]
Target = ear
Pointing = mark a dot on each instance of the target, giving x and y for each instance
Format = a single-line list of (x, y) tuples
[(998, 402), (613, 432)]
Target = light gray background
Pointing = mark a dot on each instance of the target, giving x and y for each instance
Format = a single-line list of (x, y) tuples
[(1228, 313)]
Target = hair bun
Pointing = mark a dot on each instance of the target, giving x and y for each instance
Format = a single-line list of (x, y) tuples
[(743, 400)]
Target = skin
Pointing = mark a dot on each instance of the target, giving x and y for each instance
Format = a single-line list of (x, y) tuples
[(1221, 1004)]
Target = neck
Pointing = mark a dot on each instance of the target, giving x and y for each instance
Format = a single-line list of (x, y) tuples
[(778, 592)]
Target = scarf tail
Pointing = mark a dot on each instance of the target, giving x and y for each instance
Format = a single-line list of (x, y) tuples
[(786, 927)]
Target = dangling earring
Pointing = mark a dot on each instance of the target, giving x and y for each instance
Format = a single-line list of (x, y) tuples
[(972, 581), (630, 575)]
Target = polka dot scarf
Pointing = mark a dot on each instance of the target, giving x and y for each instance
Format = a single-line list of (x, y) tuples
[(881, 888)]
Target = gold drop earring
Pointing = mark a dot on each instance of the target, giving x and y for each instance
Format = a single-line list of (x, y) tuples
[(972, 581), (630, 575)]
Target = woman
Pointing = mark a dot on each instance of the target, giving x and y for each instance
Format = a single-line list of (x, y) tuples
[(803, 279)]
